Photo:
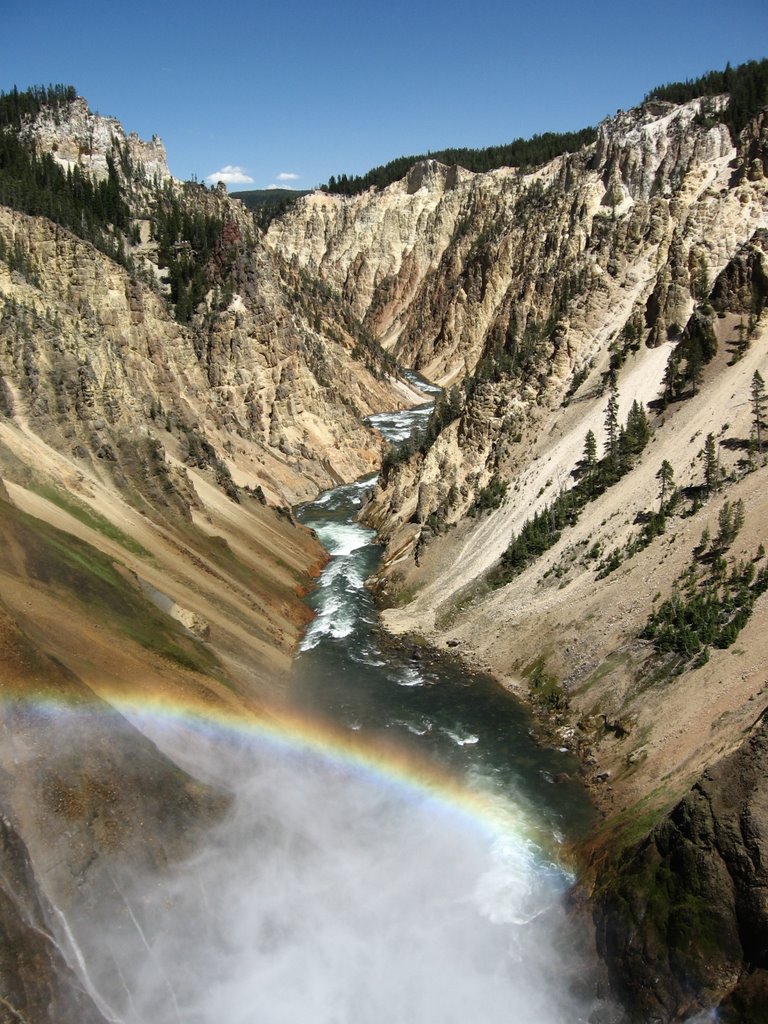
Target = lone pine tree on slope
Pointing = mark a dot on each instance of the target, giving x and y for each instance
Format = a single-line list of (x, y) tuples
[(666, 478), (711, 465), (757, 391)]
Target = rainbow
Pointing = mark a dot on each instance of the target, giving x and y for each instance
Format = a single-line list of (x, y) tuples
[(290, 734)]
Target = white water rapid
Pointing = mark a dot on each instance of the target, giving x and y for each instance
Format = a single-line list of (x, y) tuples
[(343, 889)]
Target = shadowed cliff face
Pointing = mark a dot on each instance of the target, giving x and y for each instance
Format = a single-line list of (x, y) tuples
[(87, 802), (37, 982), (682, 917), (98, 806)]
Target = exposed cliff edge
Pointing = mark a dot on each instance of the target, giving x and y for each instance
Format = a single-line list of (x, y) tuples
[(77, 137), (681, 916)]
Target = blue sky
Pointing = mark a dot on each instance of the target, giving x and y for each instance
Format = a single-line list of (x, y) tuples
[(310, 90)]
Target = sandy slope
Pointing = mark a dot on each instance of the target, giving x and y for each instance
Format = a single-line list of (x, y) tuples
[(243, 599), (585, 629)]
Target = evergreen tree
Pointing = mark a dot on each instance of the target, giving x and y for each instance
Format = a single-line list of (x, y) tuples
[(612, 422), (742, 344), (589, 458), (694, 366), (738, 517), (700, 279), (757, 391), (711, 464), (638, 428), (625, 451), (725, 532), (671, 377), (666, 478)]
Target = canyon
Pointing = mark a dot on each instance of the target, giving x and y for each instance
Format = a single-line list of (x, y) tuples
[(149, 464)]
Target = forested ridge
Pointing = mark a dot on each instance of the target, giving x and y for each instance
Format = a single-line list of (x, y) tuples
[(100, 211), (267, 203), (746, 85), (37, 185), (523, 153)]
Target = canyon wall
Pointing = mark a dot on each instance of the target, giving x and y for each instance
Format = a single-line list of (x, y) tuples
[(631, 272), (148, 553)]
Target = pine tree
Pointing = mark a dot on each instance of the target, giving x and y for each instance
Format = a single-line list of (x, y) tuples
[(666, 478), (612, 421), (742, 344), (700, 279), (711, 464), (671, 377), (725, 532), (694, 366), (638, 428), (738, 518), (757, 391), (623, 452), (589, 458)]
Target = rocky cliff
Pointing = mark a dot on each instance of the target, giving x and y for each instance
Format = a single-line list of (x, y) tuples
[(445, 262), (77, 137), (631, 272), (149, 454)]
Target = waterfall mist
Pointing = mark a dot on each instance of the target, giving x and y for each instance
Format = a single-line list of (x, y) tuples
[(331, 895), (334, 894)]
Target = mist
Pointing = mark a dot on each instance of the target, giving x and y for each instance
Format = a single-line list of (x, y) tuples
[(331, 895)]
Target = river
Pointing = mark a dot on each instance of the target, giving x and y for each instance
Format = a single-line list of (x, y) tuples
[(349, 674), (392, 852), (506, 873)]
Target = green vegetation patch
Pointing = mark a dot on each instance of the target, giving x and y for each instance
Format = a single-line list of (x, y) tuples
[(706, 610), (623, 447), (188, 239), (81, 573), (633, 824), (616, 660), (89, 517), (546, 690), (489, 497)]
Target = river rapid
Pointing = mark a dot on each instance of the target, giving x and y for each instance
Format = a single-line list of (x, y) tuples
[(511, 942), (350, 674), (391, 852)]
